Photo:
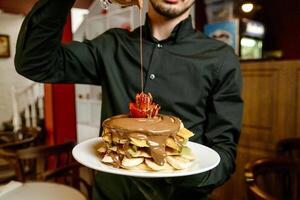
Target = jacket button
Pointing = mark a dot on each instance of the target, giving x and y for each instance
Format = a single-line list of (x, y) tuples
[(159, 45), (152, 76)]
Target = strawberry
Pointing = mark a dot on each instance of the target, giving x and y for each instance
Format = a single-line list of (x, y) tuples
[(143, 107)]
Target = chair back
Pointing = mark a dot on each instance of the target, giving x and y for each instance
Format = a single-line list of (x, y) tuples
[(23, 138), (289, 148), (273, 179), (10, 142), (41, 159), (51, 163)]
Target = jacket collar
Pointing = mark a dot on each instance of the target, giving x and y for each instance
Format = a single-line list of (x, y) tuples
[(181, 30)]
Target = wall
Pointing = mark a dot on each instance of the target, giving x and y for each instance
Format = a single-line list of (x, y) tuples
[(283, 26), (281, 21), (271, 94), (200, 15), (10, 25), (13, 6)]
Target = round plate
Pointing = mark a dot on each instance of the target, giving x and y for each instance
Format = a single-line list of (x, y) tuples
[(86, 154)]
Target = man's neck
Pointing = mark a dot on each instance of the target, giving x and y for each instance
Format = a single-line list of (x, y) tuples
[(162, 27)]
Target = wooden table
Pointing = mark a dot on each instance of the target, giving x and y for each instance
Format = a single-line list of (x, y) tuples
[(43, 191)]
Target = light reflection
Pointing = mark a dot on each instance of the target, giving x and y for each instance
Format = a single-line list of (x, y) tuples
[(247, 42), (247, 7)]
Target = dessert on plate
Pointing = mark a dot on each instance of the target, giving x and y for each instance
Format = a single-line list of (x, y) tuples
[(144, 139)]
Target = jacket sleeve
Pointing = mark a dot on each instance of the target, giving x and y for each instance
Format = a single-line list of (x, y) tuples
[(224, 115), (41, 57)]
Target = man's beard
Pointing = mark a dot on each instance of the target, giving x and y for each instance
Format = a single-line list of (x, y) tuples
[(169, 12)]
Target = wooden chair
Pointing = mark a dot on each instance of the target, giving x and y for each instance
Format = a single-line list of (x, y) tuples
[(50, 163), (273, 179), (10, 142), (7, 136), (289, 148), (23, 138)]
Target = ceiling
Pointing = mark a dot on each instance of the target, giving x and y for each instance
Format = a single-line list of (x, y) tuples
[(24, 6)]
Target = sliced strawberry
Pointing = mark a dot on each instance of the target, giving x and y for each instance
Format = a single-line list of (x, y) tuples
[(143, 107), (154, 110), (135, 112), (144, 101)]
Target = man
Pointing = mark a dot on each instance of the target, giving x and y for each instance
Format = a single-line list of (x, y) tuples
[(191, 76)]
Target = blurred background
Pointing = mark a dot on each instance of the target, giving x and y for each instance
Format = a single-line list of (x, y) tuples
[(265, 34)]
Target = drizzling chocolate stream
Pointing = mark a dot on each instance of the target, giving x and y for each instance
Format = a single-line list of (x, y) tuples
[(141, 49)]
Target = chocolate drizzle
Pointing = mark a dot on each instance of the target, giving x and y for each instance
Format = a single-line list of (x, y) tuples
[(159, 125), (154, 130)]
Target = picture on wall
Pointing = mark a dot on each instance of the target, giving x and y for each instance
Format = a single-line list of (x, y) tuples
[(4, 46), (225, 31)]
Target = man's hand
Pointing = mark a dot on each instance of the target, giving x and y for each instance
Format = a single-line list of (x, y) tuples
[(139, 3)]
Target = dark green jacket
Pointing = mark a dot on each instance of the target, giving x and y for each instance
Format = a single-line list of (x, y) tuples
[(189, 75)]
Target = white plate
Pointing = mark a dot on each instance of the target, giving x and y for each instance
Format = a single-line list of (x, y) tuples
[(86, 154)]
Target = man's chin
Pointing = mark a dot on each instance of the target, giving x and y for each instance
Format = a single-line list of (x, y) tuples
[(169, 8)]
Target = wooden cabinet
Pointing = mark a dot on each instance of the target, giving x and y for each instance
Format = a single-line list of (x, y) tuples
[(271, 94)]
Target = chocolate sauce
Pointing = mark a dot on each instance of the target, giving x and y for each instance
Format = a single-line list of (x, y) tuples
[(159, 125), (157, 148), (141, 50), (116, 158)]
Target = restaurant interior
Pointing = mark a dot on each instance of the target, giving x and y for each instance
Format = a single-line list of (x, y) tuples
[(41, 123)]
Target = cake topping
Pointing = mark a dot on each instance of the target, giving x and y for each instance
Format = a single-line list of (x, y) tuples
[(143, 107)]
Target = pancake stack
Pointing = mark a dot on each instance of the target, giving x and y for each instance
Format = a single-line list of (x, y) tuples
[(156, 143)]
